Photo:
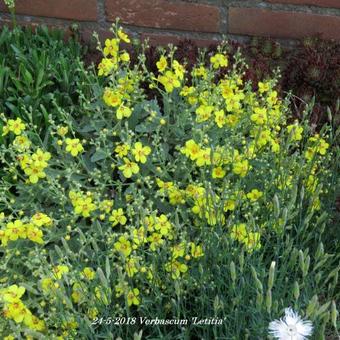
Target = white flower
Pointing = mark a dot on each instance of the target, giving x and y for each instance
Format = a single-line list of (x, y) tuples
[(291, 327)]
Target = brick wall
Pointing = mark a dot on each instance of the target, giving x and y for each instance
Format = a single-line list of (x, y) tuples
[(164, 21)]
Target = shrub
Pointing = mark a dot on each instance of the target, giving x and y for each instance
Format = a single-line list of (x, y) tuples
[(205, 203)]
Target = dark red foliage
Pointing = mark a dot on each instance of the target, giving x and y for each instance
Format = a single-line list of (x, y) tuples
[(313, 70)]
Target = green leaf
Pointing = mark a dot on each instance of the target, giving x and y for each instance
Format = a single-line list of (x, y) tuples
[(98, 156)]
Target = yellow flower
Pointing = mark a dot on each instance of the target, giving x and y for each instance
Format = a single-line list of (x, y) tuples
[(196, 250), (117, 217), (139, 235), (123, 111), (122, 149), (141, 152), (121, 288), (34, 234), (126, 84), (41, 158), (169, 80), (106, 66), (233, 103), (123, 246), (77, 292), (176, 196), (16, 126), (272, 98), (129, 168), (204, 157), (275, 146), (178, 250), (195, 191), (226, 89), (309, 154), (155, 240), (12, 293), (204, 113), (89, 273), (164, 185), (176, 268), (133, 297), (92, 313), (179, 69), (106, 205), (218, 172), (219, 60), (14, 230), (231, 119), (199, 72), (111, 97), (24, 161), (22, 143), (259, 116), (60, 270), (34, 172), (254, 195), (241, 168), (162, 225), (40, 219), (263, 87), (162, 64), (69, 323), (191, 149), (111, 47), (62, 131), (85, 207), (123, 36), (295, 131), (74, 146), (252, 241), (238, 232), (187, 90), (220, 118), (34, 323), (16, 311), (320, 145), (149, 222), (47, 284), (131, 267), (124, 57)]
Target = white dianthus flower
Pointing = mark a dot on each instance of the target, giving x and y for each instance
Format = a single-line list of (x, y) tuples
[(291, 327)]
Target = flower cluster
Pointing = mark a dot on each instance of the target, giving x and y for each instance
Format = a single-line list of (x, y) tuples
[(34, 165), (19, 229), (15, 309)]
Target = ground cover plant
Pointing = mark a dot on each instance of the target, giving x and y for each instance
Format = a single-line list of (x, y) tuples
[(40, 70), (205, 205)]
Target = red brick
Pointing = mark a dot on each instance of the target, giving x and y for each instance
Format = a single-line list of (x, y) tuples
[(319, 3), (165, 14), (83, 10), (164, 40), (34, 25), (282, 24)]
